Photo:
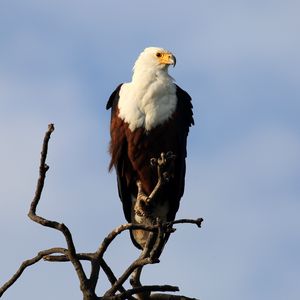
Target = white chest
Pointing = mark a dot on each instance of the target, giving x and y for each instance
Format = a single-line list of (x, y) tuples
[(147, 105)]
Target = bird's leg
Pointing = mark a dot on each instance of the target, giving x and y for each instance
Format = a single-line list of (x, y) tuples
[(141, 214), (141, 207)]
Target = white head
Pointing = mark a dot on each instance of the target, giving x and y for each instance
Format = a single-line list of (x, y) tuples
[(150, 98), (154, 59)]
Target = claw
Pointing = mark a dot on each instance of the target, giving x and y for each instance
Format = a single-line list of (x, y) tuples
[(153, 162)]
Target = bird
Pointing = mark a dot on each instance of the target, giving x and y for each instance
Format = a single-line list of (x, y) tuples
[(150, 118)]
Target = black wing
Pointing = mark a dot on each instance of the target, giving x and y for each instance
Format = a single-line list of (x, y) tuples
[(118, 151), (184, 120)]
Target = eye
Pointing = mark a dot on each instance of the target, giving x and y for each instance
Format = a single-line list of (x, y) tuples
[(158, 54)]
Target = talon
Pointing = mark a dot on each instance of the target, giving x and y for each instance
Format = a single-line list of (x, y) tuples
[(162, 160), (153, 162)]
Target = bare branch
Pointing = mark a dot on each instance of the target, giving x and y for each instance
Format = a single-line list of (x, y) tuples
[(89, 257), (98, 255), (145, 288), (43, 170), (28, 263), (169, 297), (53, 224), (65, 258), (137, 263), (198, 222), (107, 241)]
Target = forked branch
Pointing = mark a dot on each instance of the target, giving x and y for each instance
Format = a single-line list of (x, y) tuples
[(88, 283)]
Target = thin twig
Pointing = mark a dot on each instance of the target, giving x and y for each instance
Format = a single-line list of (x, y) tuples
[(130, 226), (27, 263), (53, 224), (65, 258), (136, 264), (89, 257), (198, 222), (98, 255), (157, 296), (145, 288), (112, 278)]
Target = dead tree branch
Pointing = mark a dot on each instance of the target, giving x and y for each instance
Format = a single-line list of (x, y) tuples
[(150, 254), (146, 288), (27, 263)]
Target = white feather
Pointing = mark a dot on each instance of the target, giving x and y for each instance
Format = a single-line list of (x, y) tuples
[(150, 98)]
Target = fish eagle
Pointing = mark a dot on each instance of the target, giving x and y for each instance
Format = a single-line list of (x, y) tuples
[(150, 115)]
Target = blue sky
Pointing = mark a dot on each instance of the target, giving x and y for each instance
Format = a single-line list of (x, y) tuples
[(240, 62)]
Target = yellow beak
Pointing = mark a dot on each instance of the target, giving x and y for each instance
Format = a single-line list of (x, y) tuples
[(167, 59)]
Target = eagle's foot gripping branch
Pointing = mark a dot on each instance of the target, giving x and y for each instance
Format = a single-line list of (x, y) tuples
[(165, 172), (142, 206)]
